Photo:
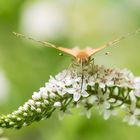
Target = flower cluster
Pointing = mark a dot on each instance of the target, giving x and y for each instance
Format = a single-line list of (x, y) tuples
[(107, 89)]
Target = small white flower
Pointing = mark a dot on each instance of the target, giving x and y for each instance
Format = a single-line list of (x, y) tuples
[(62, 92), (38, 104), (13, 116), (36, 96), (110, 83), (76, 96), (38, 110), (46, 102), (131, 115), (132, 96), (132, 120), (18, 119), (103, 104), (112, 100), (77, 79), (20, 109), (25, 107), (102, 85), (15, 112), (69, 81), (91, 81), (84, 94), (9, 115), (52, 80), (44, 95), (70, 90), (137, 82), (92, 99), (32, 108), (31, 102), (25, 114), (52, 95), (50, 87), (11, 123), (6, 120), (137, 86), (24, 124), (57, 104)]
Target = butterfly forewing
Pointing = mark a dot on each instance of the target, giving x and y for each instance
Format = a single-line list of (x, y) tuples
[(48, 44), (77, 53), (112, 42)]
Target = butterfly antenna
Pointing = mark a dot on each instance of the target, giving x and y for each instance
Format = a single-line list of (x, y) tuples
[(44, 43), (116, 41)]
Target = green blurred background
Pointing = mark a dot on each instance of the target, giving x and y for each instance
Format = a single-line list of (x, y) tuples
[(26, 66)]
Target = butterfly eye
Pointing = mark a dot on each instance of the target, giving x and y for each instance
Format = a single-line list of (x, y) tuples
[(60, 54)]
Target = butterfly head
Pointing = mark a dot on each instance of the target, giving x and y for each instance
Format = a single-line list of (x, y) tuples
[(82, 56)]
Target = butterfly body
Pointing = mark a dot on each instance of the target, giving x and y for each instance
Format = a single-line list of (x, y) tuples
[(79, 54), (82, 55)]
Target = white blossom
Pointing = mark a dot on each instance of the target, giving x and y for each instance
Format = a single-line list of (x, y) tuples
[(137, 86), (18, 119), (38, 104), (38, 110), (131, 117), (57, 104), (31, 102), (36, 96), (25, 114), (109, 90), (46, 102)]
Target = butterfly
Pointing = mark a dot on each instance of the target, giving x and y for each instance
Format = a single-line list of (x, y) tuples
[(83, 57)]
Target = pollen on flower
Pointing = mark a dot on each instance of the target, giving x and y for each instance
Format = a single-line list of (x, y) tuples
[(109, 90)]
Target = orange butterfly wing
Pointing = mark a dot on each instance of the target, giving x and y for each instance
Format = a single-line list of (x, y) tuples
[(71, 52), (110, 43)]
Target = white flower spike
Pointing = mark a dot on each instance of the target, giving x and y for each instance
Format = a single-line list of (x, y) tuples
[(84, 85), (121, 94)]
